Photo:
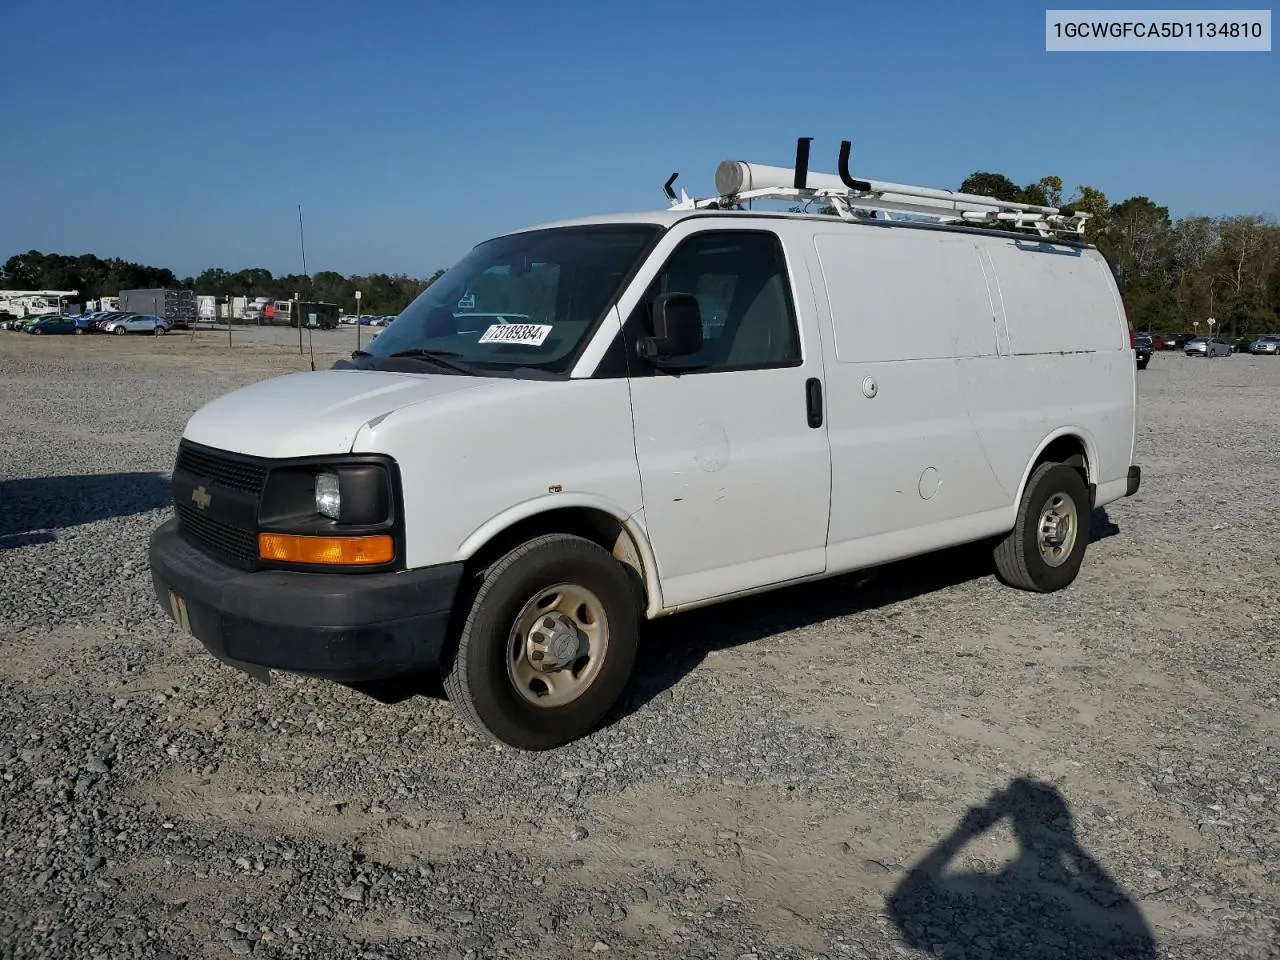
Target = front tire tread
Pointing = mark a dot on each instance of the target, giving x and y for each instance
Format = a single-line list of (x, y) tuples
[(481, 692)]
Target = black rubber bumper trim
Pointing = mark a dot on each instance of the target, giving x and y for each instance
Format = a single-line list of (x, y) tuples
[(343, 627), (1134, 481)]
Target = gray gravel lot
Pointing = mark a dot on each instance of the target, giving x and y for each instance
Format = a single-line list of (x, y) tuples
[(922, 763)]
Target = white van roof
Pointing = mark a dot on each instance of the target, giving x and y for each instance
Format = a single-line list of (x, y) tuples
[(670, 217)]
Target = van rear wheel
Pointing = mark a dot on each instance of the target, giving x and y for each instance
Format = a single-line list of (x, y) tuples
[(548, 644), (1044, 550)]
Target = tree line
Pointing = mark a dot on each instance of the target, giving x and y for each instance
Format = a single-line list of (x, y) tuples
[(94, 277), (1176, 271)]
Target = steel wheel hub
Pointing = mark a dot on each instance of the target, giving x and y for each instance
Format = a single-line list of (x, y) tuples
[(553, 643), (558, 645), (1058, 528)]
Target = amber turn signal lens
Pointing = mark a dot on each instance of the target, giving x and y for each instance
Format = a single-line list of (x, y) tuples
[(337, 551)]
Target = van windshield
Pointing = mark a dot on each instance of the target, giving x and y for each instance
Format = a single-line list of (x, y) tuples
[(523, 300)]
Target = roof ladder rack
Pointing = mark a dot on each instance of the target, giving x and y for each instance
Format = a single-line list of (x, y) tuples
[(738, 182)]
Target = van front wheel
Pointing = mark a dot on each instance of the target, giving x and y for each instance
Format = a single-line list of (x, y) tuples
[(1044, 550), (548, 644)]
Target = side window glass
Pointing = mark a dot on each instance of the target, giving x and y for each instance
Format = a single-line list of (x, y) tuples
[(715, 296), (740, 282)]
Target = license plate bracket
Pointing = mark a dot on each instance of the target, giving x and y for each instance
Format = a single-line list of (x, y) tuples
[(178, 607)]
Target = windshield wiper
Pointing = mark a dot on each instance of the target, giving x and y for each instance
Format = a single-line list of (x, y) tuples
[(439, 357)]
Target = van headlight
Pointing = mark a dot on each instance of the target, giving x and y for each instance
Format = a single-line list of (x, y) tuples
[(328, 495), (341, 512), (347, 492)]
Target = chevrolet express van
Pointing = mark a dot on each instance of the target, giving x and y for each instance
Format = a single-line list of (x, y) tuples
[(705, 402)]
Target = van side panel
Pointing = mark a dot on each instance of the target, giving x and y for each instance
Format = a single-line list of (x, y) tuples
[(906, 295), (1057, 299), (1068, 366), (909, 310)]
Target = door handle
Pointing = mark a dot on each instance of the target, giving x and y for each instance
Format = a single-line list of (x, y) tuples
[(813, 400)]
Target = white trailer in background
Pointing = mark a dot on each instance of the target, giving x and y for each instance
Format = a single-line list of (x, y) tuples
[(212, 308), (34, 303)]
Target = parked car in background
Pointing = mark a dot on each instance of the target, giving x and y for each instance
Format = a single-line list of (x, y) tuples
[(1208, 347), (1142, 348), (1270, 343), (58, 324), (98, 320), (137, 323), (1155, 340)]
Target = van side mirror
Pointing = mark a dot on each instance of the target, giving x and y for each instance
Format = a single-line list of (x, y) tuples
[(677, 328)]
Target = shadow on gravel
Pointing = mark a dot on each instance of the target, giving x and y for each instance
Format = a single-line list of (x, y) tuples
[(1101, 525), (673, 647), (31, 508), (1053, 901)]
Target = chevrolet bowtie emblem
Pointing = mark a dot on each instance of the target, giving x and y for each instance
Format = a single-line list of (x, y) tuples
[(200, 496)]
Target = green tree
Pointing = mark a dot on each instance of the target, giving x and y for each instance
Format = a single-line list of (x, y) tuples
[(1092, 201), (986, 184), (1138, 234), (1248, 248), (214, 282), (1051, 190)]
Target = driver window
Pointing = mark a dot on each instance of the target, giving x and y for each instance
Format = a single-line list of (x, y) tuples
[(740, 281)]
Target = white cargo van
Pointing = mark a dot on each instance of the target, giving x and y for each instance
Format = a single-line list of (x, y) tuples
[(702, 402)]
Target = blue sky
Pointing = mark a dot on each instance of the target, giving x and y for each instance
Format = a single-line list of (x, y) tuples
[(185, 134)]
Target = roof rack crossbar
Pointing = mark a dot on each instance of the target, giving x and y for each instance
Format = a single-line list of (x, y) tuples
[(738, 182)]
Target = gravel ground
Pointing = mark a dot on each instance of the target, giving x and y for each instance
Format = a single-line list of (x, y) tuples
[(920, 763)]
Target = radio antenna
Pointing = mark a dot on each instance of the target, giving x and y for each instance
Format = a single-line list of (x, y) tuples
[(302, 239)]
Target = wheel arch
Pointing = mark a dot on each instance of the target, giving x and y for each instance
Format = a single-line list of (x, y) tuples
[(1067, 445), (591, 517)]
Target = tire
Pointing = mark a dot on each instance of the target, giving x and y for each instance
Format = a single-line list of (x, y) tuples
[(79, 331), (1142, 364), (479, 670), (119, 331), (1018, 557), (160, 331)]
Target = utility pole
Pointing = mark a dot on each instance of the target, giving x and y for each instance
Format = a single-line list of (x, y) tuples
[(357, 319), (302, 240)]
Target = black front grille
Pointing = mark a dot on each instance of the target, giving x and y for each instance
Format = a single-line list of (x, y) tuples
[(226, 471), (233, 544), (216, 497)]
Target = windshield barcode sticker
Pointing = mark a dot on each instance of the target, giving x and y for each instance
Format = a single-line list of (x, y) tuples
[(529, 334)]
